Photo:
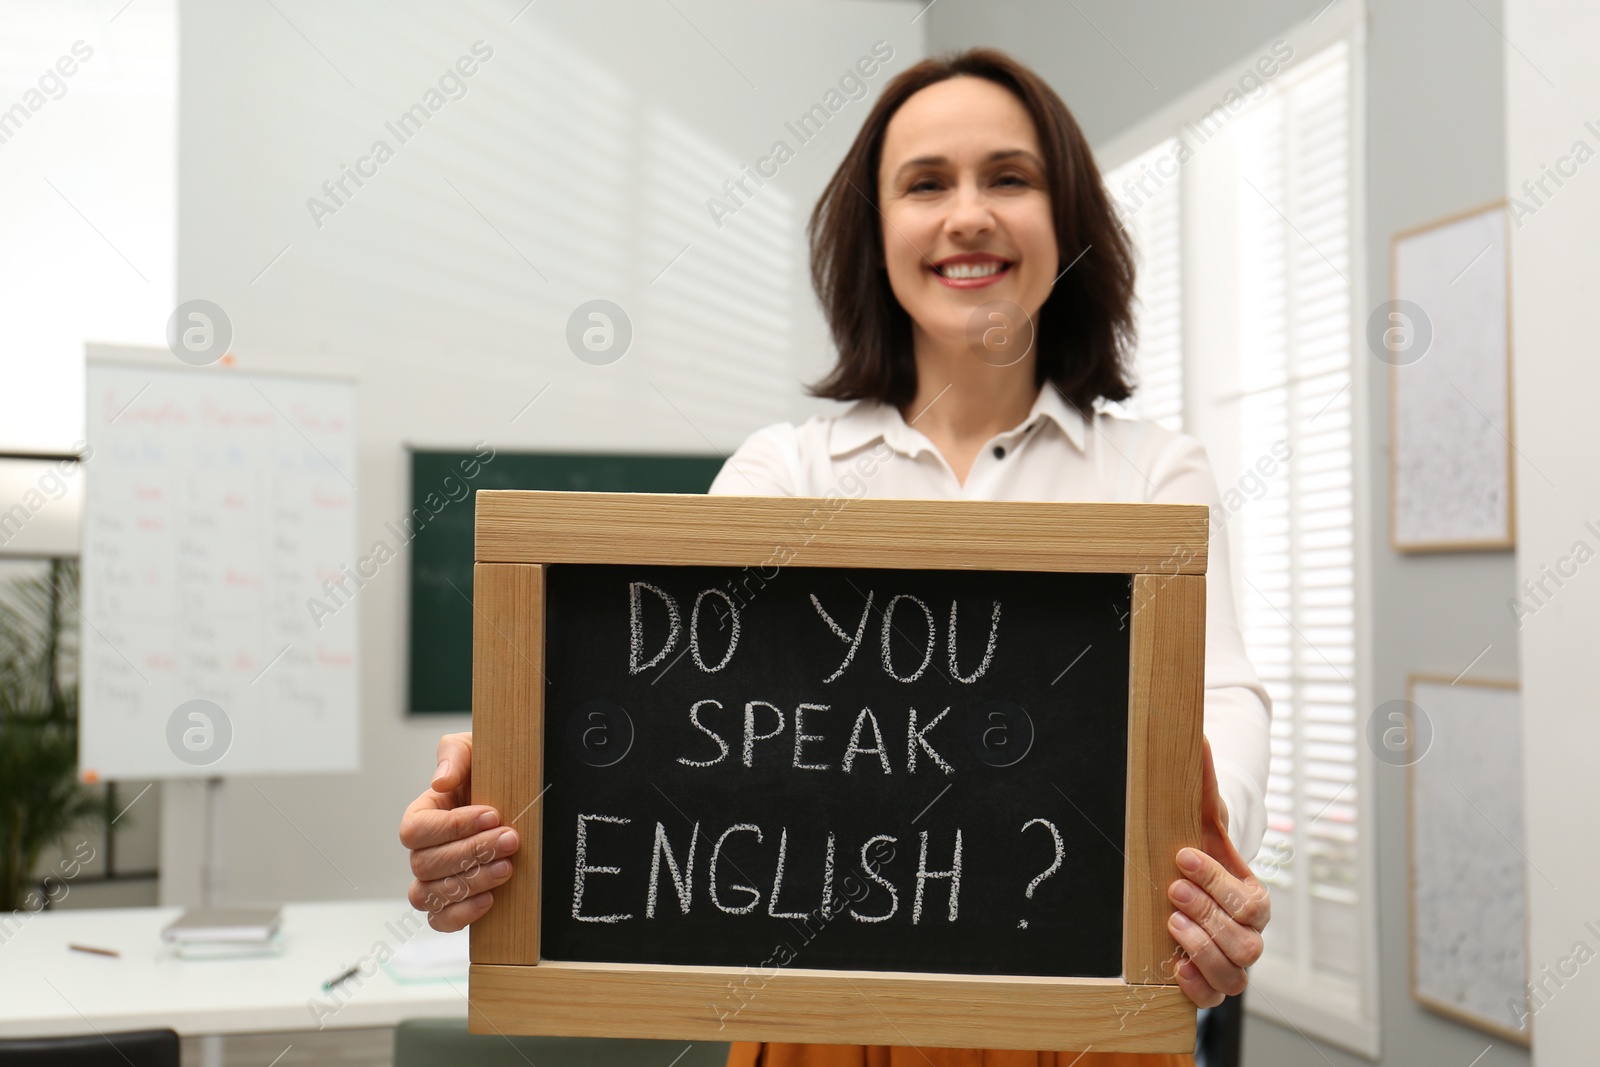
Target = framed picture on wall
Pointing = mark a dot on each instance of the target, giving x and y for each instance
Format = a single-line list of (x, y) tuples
[(1468, 865), (1445, 333)]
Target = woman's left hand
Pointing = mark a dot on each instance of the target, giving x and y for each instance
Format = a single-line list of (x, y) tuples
[(1222, 906)]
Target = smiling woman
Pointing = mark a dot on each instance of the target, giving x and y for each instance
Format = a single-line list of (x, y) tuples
[(1031, 195), (979, 291)]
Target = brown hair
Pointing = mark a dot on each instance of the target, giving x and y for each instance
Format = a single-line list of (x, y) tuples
[(1084, 331)]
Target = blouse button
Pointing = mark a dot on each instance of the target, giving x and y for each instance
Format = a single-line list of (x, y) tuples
[(999, 452)]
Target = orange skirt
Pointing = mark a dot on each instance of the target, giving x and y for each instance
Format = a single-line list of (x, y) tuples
[(757, 1054)]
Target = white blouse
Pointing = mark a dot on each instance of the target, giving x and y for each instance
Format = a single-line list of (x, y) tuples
[(1055, 453)]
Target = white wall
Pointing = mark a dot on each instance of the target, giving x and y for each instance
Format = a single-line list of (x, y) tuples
[(576, 166), (1552, 97)]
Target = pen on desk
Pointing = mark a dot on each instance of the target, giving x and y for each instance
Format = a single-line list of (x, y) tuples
[(95, 951), (330, 983)]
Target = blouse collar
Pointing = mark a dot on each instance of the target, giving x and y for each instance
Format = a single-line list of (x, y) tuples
[(868, 420)]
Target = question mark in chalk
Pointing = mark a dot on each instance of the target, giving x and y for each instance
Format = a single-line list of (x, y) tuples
[(1055, 836)]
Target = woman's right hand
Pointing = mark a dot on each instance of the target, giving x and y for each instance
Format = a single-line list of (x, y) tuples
[(459, 850)]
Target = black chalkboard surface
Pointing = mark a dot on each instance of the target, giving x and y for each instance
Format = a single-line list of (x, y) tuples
[(706, 747)]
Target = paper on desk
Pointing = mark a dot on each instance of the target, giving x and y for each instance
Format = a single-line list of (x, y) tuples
[(430, 956)]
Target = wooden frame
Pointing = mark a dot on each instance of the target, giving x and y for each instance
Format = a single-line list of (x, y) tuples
[(1505, 1033), (1481, 544), (1162, 546)]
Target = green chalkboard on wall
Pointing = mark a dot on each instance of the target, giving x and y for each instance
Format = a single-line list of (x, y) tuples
[(439, 531)]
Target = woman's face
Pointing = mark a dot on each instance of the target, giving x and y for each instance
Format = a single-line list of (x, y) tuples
[(962, 190)]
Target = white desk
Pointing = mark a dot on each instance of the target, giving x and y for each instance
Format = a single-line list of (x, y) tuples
[(46, 988)]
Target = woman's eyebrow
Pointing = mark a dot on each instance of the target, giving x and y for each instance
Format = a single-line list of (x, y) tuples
[(993, 157)]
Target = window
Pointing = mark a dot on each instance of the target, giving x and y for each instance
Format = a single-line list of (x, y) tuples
[(88, 250), (1243, 201), (1146, 196)]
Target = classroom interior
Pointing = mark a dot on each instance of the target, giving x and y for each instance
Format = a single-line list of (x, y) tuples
[(1365, 232)]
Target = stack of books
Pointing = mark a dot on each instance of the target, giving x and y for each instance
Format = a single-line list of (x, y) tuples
[(226, 933)]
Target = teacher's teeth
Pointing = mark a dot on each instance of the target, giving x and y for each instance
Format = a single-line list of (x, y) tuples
[(970, 270)]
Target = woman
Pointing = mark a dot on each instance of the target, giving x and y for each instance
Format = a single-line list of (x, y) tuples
[(979, 290)]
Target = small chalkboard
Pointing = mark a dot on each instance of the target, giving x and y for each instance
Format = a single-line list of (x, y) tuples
[(837, 771)]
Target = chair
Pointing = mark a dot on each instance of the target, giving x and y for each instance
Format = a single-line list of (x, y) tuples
[(446, 1043), (1221, 1036), (134, 1048)]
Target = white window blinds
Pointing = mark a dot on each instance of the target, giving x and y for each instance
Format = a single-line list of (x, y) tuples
[(1297, 605), (1147, 194)]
